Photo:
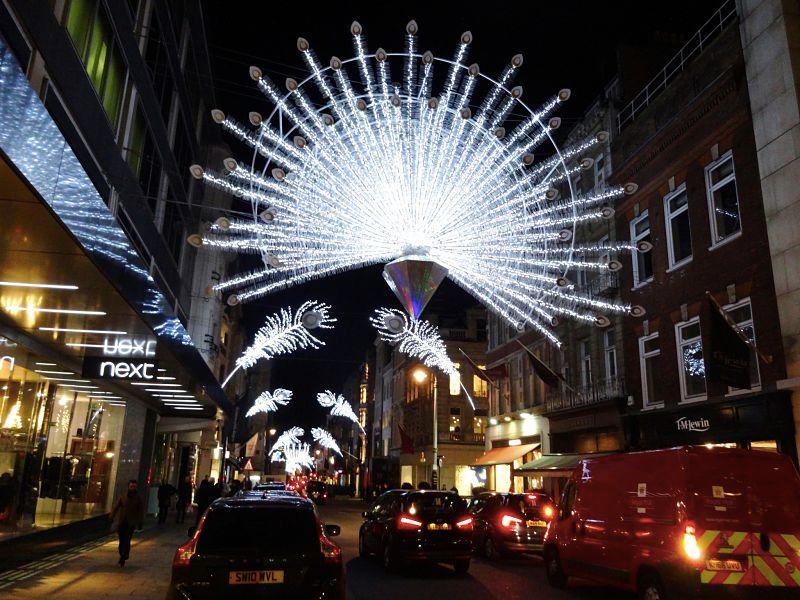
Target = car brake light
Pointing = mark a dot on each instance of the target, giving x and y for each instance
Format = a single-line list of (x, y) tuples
[(548, 512), (690, 546), (408, 523), (331, 553), (184, 554), (510, 521), (465, 523)]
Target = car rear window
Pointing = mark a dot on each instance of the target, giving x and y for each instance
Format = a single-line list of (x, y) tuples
[(523, 502), (428, 503), (279, 530)]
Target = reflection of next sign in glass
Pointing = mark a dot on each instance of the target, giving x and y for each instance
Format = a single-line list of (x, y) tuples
[(129, 347), (123, 358)]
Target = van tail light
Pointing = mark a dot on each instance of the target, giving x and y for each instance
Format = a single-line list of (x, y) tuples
[(548, 512), (407, 523), (465, 524), (184, 554), (331, 553), (690, 546), (510, 521)]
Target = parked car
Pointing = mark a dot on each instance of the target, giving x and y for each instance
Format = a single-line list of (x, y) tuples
[(317, 491), (256, 547), (510, 523), (268, 486), (680, 522), (417, 526)]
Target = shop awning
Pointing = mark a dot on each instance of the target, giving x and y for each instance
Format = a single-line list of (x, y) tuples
[(556, 465), (505, 455)]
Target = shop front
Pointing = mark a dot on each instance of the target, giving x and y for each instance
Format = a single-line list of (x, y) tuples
[(762, 422), (502, 461)]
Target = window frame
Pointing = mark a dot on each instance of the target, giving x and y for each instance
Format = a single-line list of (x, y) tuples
[(586, 363), (679, 345), (610, 354), (647, 404), (711, 188), (669, 215), (728, 308), (637, 279)]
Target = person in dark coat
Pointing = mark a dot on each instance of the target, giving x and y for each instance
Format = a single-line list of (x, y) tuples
[(127, 514), (165, 494), (184, 498), (204, 496)]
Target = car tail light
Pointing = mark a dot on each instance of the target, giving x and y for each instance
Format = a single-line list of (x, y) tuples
[(510, 521), (465, 523), (184, 554), (405, 522), (331, 553), (548, 512), (690, 546)]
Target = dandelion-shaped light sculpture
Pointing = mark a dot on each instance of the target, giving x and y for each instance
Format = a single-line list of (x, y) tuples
[(339, 407), (325, 439), (267, 401), (385, 169), (298, 456), (416, 338), (285, 332)]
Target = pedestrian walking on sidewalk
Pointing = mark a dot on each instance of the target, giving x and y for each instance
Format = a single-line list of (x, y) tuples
[(127, 515), (184, 497), (165, 494), (203, 496)]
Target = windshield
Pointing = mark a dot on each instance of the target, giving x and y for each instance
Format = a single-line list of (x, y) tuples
[(431, 503), (265, 530)]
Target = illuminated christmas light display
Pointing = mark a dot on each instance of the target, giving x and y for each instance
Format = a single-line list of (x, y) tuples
[(416, 338), (436, 183), (286, 439), (297, 457), (285, 332), (325, 439), (269, 401), (339, 406)]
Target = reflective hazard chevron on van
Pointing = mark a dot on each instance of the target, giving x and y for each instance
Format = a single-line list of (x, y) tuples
[(746, 558)]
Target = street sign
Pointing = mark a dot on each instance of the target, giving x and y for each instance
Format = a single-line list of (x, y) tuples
[(248, 466)]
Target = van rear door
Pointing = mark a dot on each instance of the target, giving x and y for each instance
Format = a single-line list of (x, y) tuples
[(743, 505)]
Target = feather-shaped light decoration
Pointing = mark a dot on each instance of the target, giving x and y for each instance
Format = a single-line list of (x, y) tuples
[(285, 332), (325, 439), (286, 439), (298, 456), (269, 401), (339, 406)]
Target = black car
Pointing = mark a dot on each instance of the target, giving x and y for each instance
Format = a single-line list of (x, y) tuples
[(507, 523), (412, 526), (317, 491), (268, 547), (269, 486)]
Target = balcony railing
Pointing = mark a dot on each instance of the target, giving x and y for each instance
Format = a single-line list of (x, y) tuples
[(464, 437), (600, 391), (699, 41), (602, 286)]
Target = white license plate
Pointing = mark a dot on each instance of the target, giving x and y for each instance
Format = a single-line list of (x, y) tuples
[(728, 564), (254, 577)]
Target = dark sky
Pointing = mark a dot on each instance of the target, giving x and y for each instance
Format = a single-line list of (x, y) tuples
[(565, 44)]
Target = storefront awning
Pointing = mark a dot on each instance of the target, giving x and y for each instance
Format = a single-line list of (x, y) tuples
[(505, 455), (556, 465)]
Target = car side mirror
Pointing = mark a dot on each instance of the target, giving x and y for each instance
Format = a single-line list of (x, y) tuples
[(191, 531), (365, 514), (332, 530)]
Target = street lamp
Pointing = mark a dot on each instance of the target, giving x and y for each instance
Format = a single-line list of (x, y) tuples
[(272, 431), (420, 375)]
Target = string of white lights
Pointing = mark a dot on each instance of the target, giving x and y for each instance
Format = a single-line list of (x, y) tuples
[(339, 406), (269, 401), (325, 439)]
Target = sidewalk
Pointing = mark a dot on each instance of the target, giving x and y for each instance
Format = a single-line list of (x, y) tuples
[(91, 570)]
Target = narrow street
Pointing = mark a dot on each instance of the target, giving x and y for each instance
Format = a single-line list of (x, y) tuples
[(91, 571)]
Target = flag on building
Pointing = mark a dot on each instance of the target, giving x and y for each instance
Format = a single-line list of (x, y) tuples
[(728, 356), (406, 441), (545, 373), (488, 375)]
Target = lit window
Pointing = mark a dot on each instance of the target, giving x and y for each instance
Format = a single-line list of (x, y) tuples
[(723, 199), (455, 381), (690, 360), (642, 261), (649, 361), (679, 237), (480, 387)]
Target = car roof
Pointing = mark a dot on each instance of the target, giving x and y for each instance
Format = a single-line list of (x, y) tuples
[(264, 501)]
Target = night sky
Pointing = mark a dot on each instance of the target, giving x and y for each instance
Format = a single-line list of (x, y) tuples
[(565, 44)]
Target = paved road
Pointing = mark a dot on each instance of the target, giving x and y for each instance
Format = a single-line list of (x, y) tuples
[(90, 572), (520, 578)]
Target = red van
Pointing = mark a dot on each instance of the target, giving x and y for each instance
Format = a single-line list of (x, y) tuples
[(679, 522)]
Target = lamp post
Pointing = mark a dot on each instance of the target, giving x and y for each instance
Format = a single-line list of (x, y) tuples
[(272, 431), (420, 375)]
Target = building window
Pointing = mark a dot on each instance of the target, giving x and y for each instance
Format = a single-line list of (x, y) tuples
[(742, 315), (723, 199), (455, 381), (599, 170), (690, 360), (94, 42), (649, 361), (610, 353), (480, 387), (479, 421), (455, 422), (586, 364), (642, 261), (679, 237)]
